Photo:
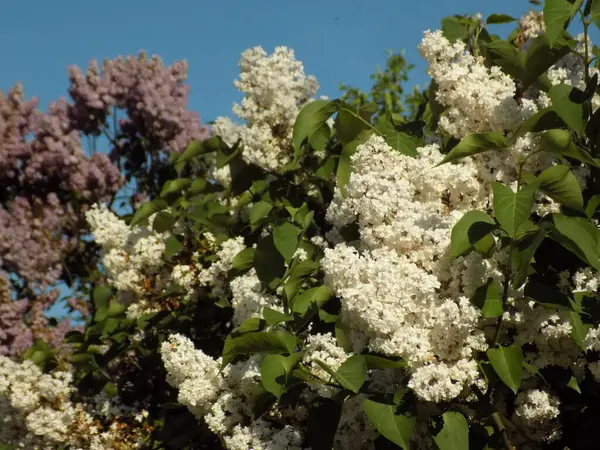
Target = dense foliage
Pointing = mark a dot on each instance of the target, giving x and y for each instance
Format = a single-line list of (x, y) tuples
[(330, 273)]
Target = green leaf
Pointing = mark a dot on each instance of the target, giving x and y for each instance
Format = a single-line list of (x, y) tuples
[(560, 142), (574, 385), (582, 234), (512, 208), (172, 246), (525, 249), (508, 58), (508, 364), (595, 12), (268, 262), (453, 30), (260, 342), (592, 206), (454, 434), (163, 221), (541, 56), (273, 374), (244, 259), (499, 18), (543, 120), (529, 368), (352, 374), (345, 164), (472, 228), (197, 148), (488, 299), (342, 335), (250, 325), (319, 132), (174, 186), (273, 317), (303, 122), (348, 125), (299, 272), (559, 183), (379, 362), (474, 144), (557, 13), (579, 330), (260, 210), (286, 239), (147, 209), (317, 296), (398, 428), (101, 295), (571, 113)]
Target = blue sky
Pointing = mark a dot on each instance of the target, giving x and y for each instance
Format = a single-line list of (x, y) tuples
[(338, 40)]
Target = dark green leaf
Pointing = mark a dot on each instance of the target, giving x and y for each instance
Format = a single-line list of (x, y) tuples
[(348, 125), (345, 166), (268, 262), (317, 296), (244, 259), (512, 208), (172, 246), (147, 209), (571, 113), (541, 56), (474, 144), (259, 211), (469, 230), (488, 299), (260, 342), (352, 374), (197, 148), (398, 428), (559, 183), (453, 30), (302, 126), (556, 15), (454, 434), (582, 234), (285, 238), (508, 364), (163, 221), (543, 120), (101, 295), (174, 186), (319, 132), (508, 58), (379, 362), (499, 18), (560, 142), (273, 374), (273, 317), (579, 330), (526, 248)]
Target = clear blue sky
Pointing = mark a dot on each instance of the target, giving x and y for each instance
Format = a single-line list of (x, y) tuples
[(338, 40)]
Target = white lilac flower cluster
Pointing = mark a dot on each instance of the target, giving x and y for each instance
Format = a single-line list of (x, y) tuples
[(396, 286), (36, 412), (128, 254), (478, 99), (275, 88)]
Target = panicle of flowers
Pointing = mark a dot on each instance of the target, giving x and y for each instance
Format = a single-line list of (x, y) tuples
[(129, 255), (478, 99), (153, 95), (37, 412), (275, 88)]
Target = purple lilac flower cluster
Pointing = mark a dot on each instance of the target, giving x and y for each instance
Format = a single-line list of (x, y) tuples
[(47, 181), (154, 99)]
